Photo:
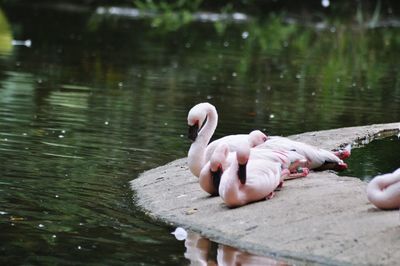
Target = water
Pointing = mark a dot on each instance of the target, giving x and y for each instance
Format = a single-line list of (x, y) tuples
[(96, 100), (378, 157)]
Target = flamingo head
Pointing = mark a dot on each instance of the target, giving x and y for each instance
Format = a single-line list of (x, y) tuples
[(218, 159), (242, 156), (196, 119), (256, 137)]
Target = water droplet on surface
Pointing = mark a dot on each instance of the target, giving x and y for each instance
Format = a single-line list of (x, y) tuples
[(245, 35), (180, 233), (40, 225), (313, 93), (234, 74), (120, 84), (226, 44), (325, 3), (298, 76), (60, 136), (53, 236), (106, 123), (271, 116), (79, 247), (239, 16), (2, 213)]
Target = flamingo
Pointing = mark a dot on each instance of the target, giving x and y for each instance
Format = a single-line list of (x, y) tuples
[(384, 190), (210, 175), (248, 179), (211, 172), (202, 121), (319, 159)]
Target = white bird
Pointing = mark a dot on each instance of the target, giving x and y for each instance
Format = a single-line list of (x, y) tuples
[(318, 159), (384, 190), (211, 172), (202, 121)]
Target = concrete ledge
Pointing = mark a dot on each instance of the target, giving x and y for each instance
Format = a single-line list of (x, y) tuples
[(322, 218)]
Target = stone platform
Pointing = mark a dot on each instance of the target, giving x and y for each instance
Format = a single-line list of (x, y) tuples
[(322, 218)]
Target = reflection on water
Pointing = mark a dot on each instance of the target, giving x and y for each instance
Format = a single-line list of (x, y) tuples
[(94, 102), (378, 157), (201, 251)]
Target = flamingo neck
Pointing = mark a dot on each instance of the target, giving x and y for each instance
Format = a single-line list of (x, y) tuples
[(196, 155), (230, 187), (384, 191), (208, 129)]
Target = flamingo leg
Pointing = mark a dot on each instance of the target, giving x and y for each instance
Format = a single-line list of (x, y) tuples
[(270, 195)]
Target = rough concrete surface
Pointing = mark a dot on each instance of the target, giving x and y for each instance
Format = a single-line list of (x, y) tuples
[(322, 218)]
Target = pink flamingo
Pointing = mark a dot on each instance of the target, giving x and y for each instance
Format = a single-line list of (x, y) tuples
[(318, 159), (210, 175), (202, 120), (245, 180), (211, 172), (384, 190)]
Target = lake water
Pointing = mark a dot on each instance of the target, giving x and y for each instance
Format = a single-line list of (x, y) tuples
[(99, 98), (378, 157)]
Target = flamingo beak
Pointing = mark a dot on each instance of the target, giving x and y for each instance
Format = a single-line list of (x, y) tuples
[(193, 131), (242, 173), (216, 178)]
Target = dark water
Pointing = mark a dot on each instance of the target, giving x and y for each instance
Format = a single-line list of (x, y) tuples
[(375, 158), (98, 99)]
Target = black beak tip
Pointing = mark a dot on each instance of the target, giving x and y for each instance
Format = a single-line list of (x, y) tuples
[(242, 173), (192, 132), (216, 179)]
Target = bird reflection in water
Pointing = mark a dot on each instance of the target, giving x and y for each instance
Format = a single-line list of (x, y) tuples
[(201, 251)]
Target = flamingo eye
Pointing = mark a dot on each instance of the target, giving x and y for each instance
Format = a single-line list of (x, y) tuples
[(264, 139)]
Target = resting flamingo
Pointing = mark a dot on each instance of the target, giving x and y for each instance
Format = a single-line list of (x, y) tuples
[(248, 180), (211, 172), (319, 159), (202, 120), (384, 190)]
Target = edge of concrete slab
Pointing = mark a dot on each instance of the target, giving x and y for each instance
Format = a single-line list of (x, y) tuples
[(323, 218)]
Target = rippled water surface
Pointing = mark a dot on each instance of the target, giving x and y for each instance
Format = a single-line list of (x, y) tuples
[(97, 99)]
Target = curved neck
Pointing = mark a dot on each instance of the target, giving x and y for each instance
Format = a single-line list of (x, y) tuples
[(384, 191), (230, 189), (208, 129), (196, 155)]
